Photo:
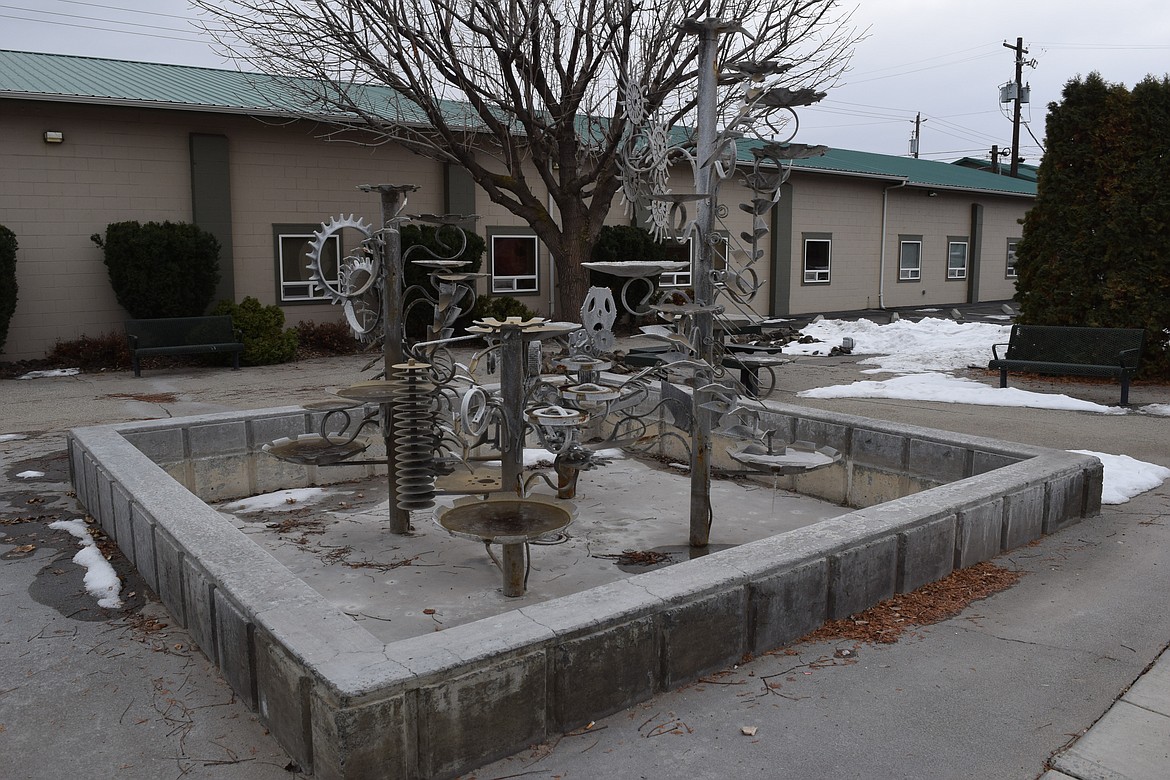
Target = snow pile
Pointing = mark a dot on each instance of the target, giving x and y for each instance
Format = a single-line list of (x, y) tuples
[(1126, 477), (30, 474), (906, 347), (50, 373), (945, 388), (282, 499), (100, 579)]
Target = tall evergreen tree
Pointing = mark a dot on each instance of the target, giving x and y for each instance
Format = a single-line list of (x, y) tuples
[(1096, 246), (1136, 288), (1060, 260)]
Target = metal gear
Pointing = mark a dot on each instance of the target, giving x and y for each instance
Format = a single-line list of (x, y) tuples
[(363, 301), (340, 290)]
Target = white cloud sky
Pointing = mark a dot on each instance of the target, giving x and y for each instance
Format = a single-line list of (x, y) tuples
[(943, 58)]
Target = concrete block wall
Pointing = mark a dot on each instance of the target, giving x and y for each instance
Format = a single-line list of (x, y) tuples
[(347, 705), (219, 457)]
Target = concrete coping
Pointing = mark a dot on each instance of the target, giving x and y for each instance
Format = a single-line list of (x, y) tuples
[(348, 705)]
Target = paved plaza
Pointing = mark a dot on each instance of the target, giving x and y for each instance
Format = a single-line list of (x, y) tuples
[(1004, 690)]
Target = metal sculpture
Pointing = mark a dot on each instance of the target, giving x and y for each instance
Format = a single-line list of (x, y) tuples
[(713, 157), (434, 418)]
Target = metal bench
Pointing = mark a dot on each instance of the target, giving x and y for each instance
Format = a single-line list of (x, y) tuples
[(183, 336), (1071, 351)]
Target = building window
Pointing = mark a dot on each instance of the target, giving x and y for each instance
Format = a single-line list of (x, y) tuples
[(956, 258), (686, 251), (676, 252), (514, 268), (818, 252), (1011, 258), (292, 243), (909, 258)]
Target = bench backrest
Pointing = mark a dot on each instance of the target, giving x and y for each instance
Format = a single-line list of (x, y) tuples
[(182, 331), (1067, 344)]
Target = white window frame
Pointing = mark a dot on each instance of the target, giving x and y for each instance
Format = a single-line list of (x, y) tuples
[(680, 278), (1010, 268), (686, 278), (287, 289), (909, 273), (817, 275), (522, 284), (954, 272)]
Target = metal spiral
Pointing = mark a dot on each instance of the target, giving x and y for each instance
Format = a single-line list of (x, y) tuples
[(413, 434)]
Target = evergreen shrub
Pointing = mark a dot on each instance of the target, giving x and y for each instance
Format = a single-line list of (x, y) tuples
[(266, 340), (161, 269), (7, 281)]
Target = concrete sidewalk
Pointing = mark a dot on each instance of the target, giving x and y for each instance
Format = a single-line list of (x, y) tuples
[(995, 692)]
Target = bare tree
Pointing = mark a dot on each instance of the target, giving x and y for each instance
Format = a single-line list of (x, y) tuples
[(525, 95)]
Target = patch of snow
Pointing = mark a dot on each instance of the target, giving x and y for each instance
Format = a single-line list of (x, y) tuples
[(1159, 410), (1126, 477), (294, 498), (906, 347), (100, 579), (945, 388), (30, 474), (12, 437), (50, 373)]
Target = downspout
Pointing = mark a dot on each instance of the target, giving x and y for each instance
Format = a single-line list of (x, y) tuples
[(882, 257)]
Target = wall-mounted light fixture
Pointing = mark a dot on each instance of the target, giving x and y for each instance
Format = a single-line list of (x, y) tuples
[(54, 137)]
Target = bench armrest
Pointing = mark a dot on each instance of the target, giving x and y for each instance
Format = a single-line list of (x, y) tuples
[(995, 352), (1124, 357)]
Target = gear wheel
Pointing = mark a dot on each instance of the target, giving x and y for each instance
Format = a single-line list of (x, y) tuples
[(363, 306), (362, 258)]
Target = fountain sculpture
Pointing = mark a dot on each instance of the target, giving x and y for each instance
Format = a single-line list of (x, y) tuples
[(436, 419)]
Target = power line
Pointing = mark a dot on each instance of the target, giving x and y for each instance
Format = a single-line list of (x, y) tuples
[(119, 8), (1099, 46), (86, 18), (104, 29)]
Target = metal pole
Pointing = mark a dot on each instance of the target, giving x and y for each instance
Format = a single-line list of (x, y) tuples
[(704, 284), (512, 372), (393, 200), (513, 564)]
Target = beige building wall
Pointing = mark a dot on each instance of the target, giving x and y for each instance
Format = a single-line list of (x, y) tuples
[(113, 165), (120, 163), (937, 218), (1001, 225), (849, 211)]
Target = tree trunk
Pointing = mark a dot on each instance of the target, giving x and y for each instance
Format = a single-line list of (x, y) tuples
[(572, 280)]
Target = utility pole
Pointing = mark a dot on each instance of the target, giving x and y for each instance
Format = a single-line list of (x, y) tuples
[(1019, 98), (917, 137)]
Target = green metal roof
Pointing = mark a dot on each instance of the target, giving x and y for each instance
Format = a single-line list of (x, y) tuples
[(916, 172), (91, 80), (1025, 171)]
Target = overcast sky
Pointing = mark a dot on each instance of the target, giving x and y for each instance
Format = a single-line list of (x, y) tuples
[(944, 59)]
